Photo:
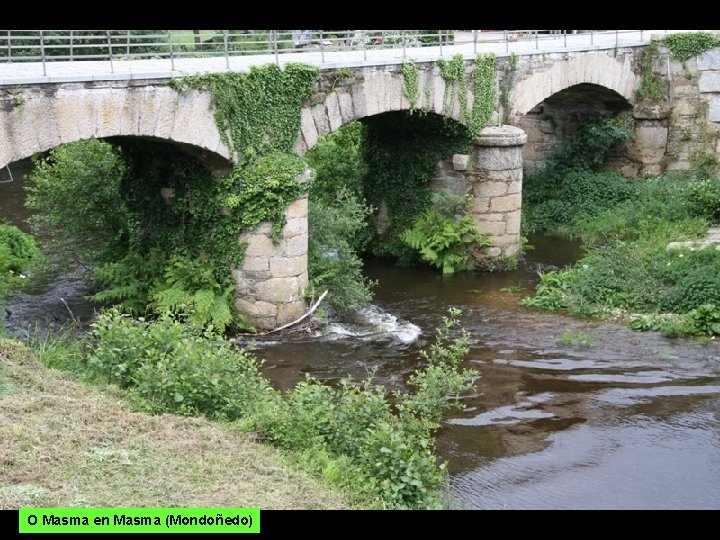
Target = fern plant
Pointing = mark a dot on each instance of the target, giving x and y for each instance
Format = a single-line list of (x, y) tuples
[(127, 282), (445, 234), (190, 287)]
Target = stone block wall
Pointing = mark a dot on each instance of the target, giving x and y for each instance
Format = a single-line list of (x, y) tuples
[(272, 281), (496, 179)]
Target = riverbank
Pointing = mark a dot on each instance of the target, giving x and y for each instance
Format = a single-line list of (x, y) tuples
[(65, 443)]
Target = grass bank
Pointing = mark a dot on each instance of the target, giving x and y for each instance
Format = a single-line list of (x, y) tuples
[(66, 443)]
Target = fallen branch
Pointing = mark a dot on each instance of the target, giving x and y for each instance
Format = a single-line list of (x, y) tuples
[(288, 325), (75, 321)]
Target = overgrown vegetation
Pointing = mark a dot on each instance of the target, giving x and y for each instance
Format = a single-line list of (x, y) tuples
[(685, 45), (161, 232), (338, 219), (17, 253), (626, 227), (572, 184), (651, 86), (402, 152), (445, 235), (376, 444)]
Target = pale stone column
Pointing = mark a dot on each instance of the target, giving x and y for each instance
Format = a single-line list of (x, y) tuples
[(651, 136), (273, 278), (495, 173)]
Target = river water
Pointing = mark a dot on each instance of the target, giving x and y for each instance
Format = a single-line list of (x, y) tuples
[(631, 422)]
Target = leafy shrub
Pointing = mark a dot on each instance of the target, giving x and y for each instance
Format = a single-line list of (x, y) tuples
[(552, 292), (386, 455), (571, 183), (334, 263), (338, 163), (705, 319), (352, 431), (17, 252), (704, 198), (557, 200), (445, 234), (74, 193), (175, 367), (338, 219), (693, 279)]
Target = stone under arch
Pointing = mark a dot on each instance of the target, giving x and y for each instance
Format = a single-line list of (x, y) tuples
[(41, 117)]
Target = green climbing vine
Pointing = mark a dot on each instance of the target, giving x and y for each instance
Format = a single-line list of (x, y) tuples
[(484, 98), (651, 86), (453, 73), (410, 88), (685, 45), (256, 112)]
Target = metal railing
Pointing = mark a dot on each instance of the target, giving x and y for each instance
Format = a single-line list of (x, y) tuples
[(53, 46)]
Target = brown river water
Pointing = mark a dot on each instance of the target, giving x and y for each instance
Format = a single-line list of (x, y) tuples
[(631, 422)]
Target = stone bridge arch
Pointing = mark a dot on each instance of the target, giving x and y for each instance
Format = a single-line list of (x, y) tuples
[(600, 68), (42, 117), (273, 277), (370, 92)]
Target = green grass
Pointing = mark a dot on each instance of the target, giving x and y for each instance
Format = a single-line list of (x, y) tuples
[(187, 38), (576, 339), (67, 444)]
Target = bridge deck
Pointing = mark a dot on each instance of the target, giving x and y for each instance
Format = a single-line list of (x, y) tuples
[(83, 71)]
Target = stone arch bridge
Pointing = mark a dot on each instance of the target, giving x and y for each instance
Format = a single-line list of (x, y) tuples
[(37, 115)]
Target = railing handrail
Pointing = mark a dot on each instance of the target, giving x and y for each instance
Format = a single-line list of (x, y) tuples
[(53, 47)]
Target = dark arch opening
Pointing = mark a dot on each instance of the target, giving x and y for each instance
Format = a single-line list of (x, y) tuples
[(552, 121)]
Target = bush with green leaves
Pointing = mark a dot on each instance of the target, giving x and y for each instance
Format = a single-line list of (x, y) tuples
[(172, 366), (386, 454), (571, 184), (334, 263), (704, 198), (338, 219), (627, 265), (17, 252), (445, 235), (74, 193), (360, 436)]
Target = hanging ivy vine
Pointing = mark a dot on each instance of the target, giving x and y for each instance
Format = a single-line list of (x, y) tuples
[(410, 88), (453, 73), (256, 112), (456, 87), (484, 97), (651, 86), (258, 116)]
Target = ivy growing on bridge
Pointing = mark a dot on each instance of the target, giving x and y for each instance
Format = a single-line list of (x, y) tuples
[(256, 112), (452, 71), (684, 46)]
